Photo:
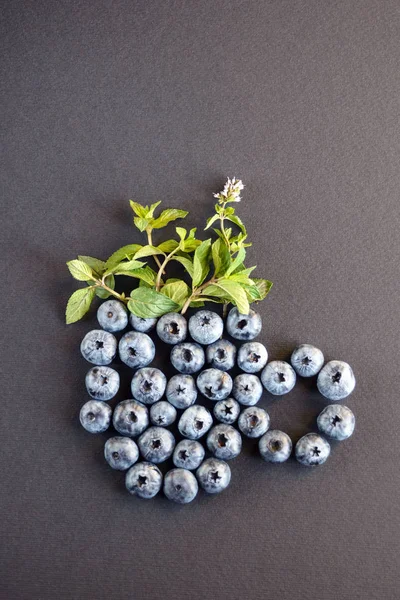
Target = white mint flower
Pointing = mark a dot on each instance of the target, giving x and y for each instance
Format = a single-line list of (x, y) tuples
[(231, 191)]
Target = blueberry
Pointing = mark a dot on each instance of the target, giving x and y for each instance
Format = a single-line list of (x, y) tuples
[(187, 357), (95, 416), (214, 384), (136, 349), (275, 446), (312, 450), (307, 360), (278, 377), (252, 357), (195, 422), (172, 328), (120, 453), (206, 327), (144, 480), (181, 391), (213, 475), (224, 441), (99, 347), (156, 444), (243, 327), (188, 454), (112, 316), (102, 383), (162, 413), (148, 385), (336, 380), (253, 422), (130, 418), (221, 355), (180, 485), (141, 324), (336, 421), (227, 411), (247, 389)]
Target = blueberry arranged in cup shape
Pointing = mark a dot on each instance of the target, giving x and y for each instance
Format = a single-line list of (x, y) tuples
[(227, 411), (307, 360), (136, 349), (214, 384), (195, 421), (336, 380), (181, 391), (188, 454), (102, 383), (187, 357), (221, 355), (112, 316), (253, 421), (224, 441), (172, 328), (252, 357), (336, 421), (141, 324), (162, 413), (275, 446), (148, 385), (121, 452), (205, 327), (130, 418), (247, 389), (312, 450), (278, 377), (99, 347), (156, 444), (144, 480), (214, 475), (180, 485), (95, 416), (243, 327)]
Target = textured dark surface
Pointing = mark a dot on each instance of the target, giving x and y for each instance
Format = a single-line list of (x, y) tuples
[(103, 101)]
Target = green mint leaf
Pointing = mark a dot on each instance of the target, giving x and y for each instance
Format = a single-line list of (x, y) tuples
[(101, 292), (238, 260), (181, 231), (229, 210), (229, 290), (178, 291), (138, 209), (141, 223), (147, 251), (145, 274), (264, 286), (78, 304), (186, 262), (200, 263), (98, 266), (237, 221), (146, 302), (211, 220), (124, 253), (149, 214), (197, 304), (124, 267), (168, 215), (190, 244), (168, 246), (221, 258), (80, 270)]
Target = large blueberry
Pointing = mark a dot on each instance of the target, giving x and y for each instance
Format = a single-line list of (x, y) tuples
[(312, 450), (156, 444), (336, 380), (120, 452), (252, 357), (180, 485), (136, 349), (213, 475), (247, 389), (227, 411), (99, 347), (278, 377), (187, 357), (95, 416), (144, 480), (172, 328), (243, 327), (112, 316), (221, 355), (195, 422), (148, 385), (214, 384), (205, 327), (102, 383), (275, 446), (181, 391), (224, 441), (188, 454), (253, 421), (162, 413), (141, 324), (336, 421), (307, 360), (130, 418)]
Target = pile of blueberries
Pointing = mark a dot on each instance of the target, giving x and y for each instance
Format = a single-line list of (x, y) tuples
[(147, 415)]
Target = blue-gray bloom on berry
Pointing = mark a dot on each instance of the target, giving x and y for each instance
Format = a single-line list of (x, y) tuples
[(180, 485), (247, 389), (224, 441), (95, 416), (148, 385), (144, 480), (336, 380), (275, 446), (120, 452), (312, 450), (243, 327), (195, 422), (213, 475), (112, 316), (307, 360), (130, 417), (99, 347), (214, 384), (253, 421), (278, 377), (188, 454), (227, 411), (187, 357), (181, 391), (156, 444), (136, 349), (172, 328), (205, 327), (221, 355), (102, 383), (336, 421), (162, 413)]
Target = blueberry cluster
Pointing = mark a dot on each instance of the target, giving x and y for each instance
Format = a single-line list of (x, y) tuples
[(158, 403)]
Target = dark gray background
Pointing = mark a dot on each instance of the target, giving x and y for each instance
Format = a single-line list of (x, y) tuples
[(104, 101)]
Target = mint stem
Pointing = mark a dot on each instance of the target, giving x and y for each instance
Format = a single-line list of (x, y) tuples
[(162, 268)]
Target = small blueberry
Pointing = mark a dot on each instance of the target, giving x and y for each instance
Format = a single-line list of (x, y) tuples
[(95, 416), (336, 421), (224, 441), (136, 349), (252, 357), (148, 385), (195, 422), (312, 450), (181, 391), (99, 347), (188, 454), (180, 485), (205, 327), (336, 380), (213, 475), (141, 324), (227, 411), (253, 421), (130, 418), (156, 444), (221, 355), (214, 384), (247, 389), (120, 453), (307, 360), (278, 377), (144, 480), (187, 357), (275, 446), (172, 328), (243, 327), (102, 383), (162, 413), (112, 316)]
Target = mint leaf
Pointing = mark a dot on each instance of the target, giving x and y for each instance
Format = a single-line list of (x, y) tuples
[(229, 290), (186, 262), (238, 260), (252, 292), (123, 267), (124, 253), (264, 286), (78, 304), (146, 302), (178, 291), (168, 215), (168, 246), (211, 220), (200, 263), (147, 251), (197, 304), (237, 221), (138, 209), (141, 223), (149, 214), (144, 273), (181, 231), (101, 292), (99, 266), (191, 244), (80, 270), (221, 258)]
